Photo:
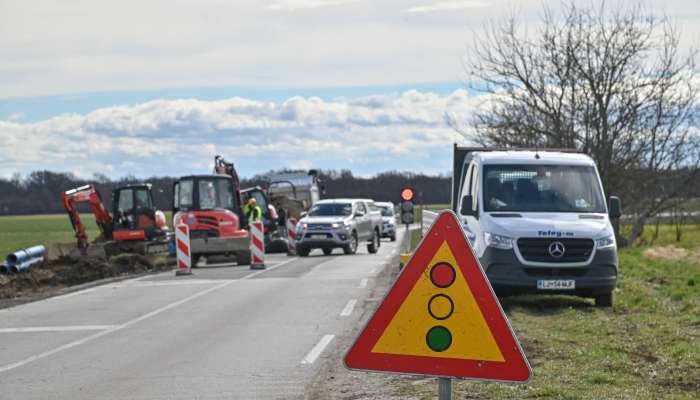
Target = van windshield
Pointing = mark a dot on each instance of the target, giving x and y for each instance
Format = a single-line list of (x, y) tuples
[(542, 188)]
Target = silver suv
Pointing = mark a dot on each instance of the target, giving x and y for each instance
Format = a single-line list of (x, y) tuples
[(336, 223), (388, 220)]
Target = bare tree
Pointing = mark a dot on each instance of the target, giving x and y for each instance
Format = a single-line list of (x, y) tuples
[(613, 84)]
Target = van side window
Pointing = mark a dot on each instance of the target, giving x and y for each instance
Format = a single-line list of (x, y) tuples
[(467, 184), (475, 186)]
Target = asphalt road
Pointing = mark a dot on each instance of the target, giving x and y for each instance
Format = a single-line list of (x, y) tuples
[(224, 333)]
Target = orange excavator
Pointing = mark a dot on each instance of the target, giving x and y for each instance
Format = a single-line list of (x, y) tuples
[(134, 226)]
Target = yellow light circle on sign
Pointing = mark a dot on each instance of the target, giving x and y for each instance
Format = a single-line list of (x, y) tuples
[(440, 307)]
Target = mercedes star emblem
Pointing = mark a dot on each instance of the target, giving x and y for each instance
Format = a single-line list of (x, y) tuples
[(556, 249)]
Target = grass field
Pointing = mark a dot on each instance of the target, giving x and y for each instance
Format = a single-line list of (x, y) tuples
[(646, 347), (19, 232)]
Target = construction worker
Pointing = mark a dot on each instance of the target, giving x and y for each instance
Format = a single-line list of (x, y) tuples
[(252, 211)]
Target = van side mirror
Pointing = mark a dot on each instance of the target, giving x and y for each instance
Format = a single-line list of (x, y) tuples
[(466, 208), (614, 207)]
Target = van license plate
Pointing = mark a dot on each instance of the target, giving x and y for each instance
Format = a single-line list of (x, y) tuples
[(319, 237), (568, 284)]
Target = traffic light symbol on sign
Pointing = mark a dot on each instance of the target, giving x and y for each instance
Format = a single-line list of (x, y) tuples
[(440, 307)]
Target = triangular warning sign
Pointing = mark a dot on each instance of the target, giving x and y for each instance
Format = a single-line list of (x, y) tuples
[(441, 317)]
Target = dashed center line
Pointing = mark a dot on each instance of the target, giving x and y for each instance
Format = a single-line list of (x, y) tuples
[(363, 283), (348, 308), (317, 350)]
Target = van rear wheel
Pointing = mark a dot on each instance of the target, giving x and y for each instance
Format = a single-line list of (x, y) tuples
[(604, 300)]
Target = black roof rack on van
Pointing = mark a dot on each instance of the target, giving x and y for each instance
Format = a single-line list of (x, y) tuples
[(461, 151)]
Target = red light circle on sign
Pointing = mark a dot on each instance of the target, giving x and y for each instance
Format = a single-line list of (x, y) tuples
[(442, 275), (407, 194)]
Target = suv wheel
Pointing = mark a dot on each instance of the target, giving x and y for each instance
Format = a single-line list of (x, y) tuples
[(604, 300), (373, 246), (303, 251), (351, 248)]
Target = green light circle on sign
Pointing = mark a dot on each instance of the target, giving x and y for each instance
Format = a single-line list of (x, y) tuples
[(438, 338)]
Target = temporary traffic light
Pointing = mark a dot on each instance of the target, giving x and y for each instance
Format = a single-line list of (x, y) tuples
[(407, 205)]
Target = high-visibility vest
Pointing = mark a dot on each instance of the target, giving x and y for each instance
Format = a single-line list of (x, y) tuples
[(254, 214)]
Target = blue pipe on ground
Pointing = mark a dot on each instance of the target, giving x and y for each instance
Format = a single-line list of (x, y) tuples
[(22, 260)]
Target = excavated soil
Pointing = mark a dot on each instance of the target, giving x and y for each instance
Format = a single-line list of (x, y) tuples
[(672, 253), (68, 271)]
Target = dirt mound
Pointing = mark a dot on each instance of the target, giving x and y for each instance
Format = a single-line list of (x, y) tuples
[(672, 253), (68, 271)]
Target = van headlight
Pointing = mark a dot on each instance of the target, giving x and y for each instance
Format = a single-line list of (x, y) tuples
[(498, 241), (606, 242)]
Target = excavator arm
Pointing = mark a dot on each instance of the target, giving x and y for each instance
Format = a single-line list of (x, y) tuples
[(88, 194), (221, 166)]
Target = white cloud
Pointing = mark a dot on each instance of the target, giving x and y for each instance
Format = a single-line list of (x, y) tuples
[(366, 134), (447, 6), (128, 45), (292, 5)]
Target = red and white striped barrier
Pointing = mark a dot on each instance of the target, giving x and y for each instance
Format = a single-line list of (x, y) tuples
[(182, 248), (291, 236), (257, 245)]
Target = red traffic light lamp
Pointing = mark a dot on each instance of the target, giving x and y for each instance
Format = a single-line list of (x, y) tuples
[(407, 194)]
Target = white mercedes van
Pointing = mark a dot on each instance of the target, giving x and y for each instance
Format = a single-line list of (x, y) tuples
[(538, 221)]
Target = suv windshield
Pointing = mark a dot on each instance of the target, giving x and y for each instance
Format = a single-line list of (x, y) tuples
[(386, 211), (544, 188), (331, 209)]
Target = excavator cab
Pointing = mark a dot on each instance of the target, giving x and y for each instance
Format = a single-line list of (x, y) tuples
[(134, 215)]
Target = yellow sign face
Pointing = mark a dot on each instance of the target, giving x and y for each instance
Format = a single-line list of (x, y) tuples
[(442, 305)]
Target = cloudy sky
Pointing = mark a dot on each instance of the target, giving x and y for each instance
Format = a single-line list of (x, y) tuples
[(160, 87)]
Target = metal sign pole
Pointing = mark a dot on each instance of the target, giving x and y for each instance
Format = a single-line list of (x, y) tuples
[(444, 388), (409, 238)]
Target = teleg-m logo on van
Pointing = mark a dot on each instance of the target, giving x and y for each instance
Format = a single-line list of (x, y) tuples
[(555, 234)]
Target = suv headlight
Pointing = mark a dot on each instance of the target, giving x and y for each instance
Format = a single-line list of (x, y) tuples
[(607, 242), (498, 241)]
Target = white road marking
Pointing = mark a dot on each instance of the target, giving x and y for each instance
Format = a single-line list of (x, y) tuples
[(73, 294), (76, 343), (348, 308), (29, 329), (373, 271), (172, 283), (317, 350), (363, 283), (254, 274)]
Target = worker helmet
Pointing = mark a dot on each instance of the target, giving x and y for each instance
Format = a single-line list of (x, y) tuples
[(252, 201)]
